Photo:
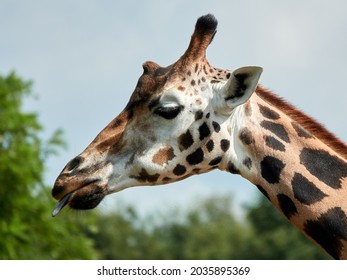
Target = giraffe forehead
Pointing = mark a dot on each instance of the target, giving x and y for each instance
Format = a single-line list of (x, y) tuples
[(149, 85), (194, 80)]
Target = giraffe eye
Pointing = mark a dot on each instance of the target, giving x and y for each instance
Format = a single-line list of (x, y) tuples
[(169, 111)]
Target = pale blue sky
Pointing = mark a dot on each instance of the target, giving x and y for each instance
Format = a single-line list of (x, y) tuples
[(85, 58)]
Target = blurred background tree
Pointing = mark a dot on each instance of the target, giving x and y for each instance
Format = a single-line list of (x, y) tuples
[(275, 238), (209, 230), (27, 230)]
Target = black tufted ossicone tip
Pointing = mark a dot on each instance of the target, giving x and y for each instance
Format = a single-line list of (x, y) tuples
[(206, 23)]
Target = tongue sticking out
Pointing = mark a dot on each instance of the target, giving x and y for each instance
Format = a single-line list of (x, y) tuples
[(60, 205)]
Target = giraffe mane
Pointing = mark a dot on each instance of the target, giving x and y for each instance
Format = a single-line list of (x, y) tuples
[(307, 122)]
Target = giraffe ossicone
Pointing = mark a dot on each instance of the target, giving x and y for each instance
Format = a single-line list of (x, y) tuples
[(190, 118)]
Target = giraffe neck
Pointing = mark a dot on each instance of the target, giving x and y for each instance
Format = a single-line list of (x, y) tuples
[(296, 170)]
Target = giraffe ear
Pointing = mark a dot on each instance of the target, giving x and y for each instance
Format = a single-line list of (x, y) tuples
[(241, 85)]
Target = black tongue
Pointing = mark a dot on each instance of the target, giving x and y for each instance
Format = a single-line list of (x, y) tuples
[(60, 205)]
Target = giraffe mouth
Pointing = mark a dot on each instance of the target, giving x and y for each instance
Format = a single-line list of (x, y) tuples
[(87, 197)]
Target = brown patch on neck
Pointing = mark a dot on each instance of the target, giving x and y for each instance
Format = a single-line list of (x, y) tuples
[(308, 123)]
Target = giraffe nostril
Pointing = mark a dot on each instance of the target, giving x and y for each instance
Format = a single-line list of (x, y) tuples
[(74, 163)]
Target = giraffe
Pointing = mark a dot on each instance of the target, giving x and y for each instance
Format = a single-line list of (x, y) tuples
[(190, 118)]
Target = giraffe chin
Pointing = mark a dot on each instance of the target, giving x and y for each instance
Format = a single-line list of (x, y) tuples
[(82, 199)]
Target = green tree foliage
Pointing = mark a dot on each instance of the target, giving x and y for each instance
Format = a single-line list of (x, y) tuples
[(122, 235), (27, 230), (207, 231)]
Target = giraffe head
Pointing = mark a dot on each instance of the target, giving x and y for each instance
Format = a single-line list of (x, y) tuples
[(174, 126)]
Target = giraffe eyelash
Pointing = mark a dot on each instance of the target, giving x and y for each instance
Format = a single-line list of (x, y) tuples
[(169, 111)]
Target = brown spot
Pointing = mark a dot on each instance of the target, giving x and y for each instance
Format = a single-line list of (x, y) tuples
[(196, 67), (163, 156), (268, 113), (328, 168), (198, 115), (204, 131), (246, 136), (181, 88), (232, 168), (185, 140), (179, 170), (247, 162), (215, 161), (216, 126), (224, 144), (271, 169), (210, 145), (276, 128), (192, 82), (287, 205), (305, 191), (145, 177), (300, 131), (198, 101), (329, 230), (273, 143), (195, 157)]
